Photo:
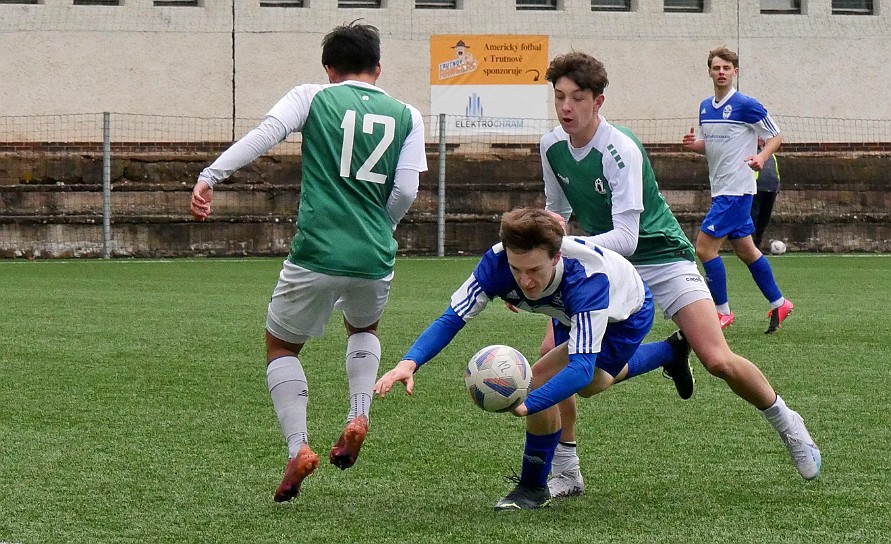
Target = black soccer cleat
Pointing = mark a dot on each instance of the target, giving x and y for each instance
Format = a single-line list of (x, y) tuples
[(524, 497), (678, 370)]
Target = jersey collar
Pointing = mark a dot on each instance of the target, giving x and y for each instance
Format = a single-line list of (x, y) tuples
[(555, 283), (724, 100)]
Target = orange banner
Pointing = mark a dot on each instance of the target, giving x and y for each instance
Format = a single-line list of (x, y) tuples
[(488, 59)]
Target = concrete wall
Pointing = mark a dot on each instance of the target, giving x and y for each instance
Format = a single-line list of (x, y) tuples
[(834, 203), (135, 58)]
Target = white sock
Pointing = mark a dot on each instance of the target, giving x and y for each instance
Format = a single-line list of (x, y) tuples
[(565, 458), (362, 361), (779, 415), (777, 303), (287, 387), (723, 308)]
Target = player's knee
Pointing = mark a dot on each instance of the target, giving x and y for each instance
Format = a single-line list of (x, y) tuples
[(718, 363), (704, 254)]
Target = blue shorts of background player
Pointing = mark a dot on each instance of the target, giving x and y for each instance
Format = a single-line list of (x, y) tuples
[(730, 216)]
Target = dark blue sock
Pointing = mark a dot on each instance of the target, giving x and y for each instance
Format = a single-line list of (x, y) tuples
[(649, 357), (762, 273), (537, 457), (716, 278)]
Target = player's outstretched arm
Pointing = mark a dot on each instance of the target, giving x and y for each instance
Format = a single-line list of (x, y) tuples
[(403, 372), (202, 195)]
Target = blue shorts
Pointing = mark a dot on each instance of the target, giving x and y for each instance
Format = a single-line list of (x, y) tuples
[(620, 340), (729, 216)]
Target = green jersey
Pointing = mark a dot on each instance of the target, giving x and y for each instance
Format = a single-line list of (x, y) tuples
[(355, 136), (610, 175)]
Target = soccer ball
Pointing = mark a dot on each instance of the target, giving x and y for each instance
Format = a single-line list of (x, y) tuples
[(498, 378), (777, 247)]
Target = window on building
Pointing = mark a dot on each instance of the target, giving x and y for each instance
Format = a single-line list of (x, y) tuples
[(97, 2), (537, 5), (852, 7), (684, 6), (780, 6), (610, 5), (281, 3), (192, 3), (358, 3), (19, 1), (436, 4)]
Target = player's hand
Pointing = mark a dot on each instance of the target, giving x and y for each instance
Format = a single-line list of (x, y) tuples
[(520, 410), (755, 162), (689, 139), (403, 372), (511, 307), (560, 220), (202, 195)]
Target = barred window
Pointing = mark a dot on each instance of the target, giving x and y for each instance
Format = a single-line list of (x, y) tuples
[(780, 6), (97, 2), (187, 3), (610, 5), (684, 6), (281, 3), (549, 5), (358, 3), (436, 4), (852, 7)]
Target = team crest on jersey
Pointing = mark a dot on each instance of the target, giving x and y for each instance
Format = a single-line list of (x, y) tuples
[(728, 109), (599, 187), (564, 179)]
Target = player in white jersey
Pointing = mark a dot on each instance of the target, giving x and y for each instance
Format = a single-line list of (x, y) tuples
[(602, 310), (602, 175), (731, 124), (362, 154)]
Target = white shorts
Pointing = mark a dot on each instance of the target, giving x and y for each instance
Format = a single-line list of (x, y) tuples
[(303, 301), (674, 285)]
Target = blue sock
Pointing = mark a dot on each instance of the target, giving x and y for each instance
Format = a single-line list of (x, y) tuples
[(537, 457), (649, 357), (716, 278), (762, 273)]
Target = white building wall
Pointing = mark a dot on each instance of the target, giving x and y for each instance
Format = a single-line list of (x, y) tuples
[(57, 58)]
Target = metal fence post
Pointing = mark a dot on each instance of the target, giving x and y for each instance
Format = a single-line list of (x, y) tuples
[(106, 185), (440, 234)]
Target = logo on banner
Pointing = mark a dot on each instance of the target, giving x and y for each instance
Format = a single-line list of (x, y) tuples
[(474, 106), (463, 63)]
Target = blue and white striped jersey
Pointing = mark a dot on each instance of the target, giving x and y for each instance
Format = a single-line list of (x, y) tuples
[(593, 286), (731, 129)]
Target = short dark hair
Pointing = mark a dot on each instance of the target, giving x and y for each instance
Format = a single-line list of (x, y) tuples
[(725, 54), (525, 229), (352, 48), (586, 71)]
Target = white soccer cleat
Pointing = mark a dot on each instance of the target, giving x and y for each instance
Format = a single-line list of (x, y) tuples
[(567, 484), (804, 451)]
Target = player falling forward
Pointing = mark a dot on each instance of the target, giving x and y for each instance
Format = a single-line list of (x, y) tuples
[(602, 309), (362, 154), (602, 174)]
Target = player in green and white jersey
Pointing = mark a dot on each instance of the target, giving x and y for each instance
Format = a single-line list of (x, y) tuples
[(602, 174), (362, 155)]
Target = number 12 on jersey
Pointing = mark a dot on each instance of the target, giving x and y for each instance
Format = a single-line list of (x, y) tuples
[(349, 136)]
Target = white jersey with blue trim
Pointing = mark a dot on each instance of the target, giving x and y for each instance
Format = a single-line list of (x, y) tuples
[(592, 287), (731, 129)]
